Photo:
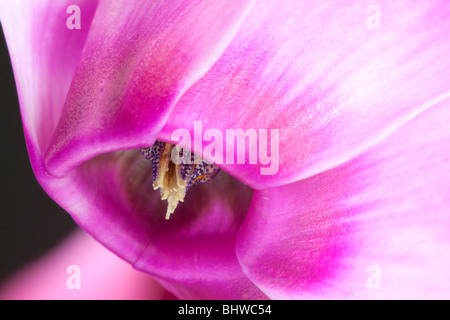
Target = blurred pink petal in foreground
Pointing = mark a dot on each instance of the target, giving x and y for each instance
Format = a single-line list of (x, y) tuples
[(102, 276)]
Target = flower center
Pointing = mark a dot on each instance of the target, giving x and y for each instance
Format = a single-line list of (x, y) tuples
[(175, 169)]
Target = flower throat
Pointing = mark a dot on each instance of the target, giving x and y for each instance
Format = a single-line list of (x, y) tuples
[(175, 170)]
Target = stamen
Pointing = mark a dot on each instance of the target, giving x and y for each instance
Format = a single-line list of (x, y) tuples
[(175, 170)]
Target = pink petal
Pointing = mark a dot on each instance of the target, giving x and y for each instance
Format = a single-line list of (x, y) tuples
[(44, 54), (102, 275), (315, 71), (383, 214), (139, 59), (193, 254)]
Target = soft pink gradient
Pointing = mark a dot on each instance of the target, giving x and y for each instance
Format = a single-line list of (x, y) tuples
[(362, 149), (315, 71), (388, 207), (103, 276)]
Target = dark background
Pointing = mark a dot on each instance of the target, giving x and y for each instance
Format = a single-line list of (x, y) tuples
[(30, 222)]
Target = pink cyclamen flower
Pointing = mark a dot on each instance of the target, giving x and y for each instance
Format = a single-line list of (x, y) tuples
[(359, 93)]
